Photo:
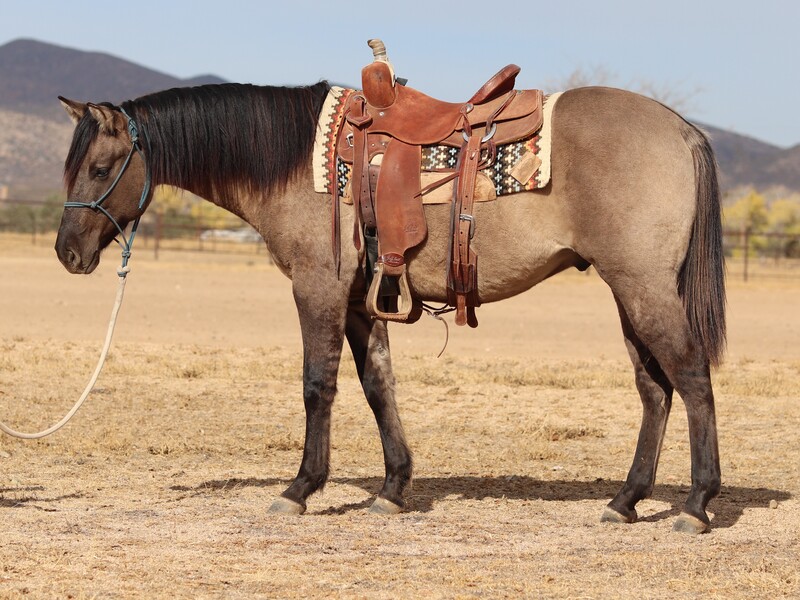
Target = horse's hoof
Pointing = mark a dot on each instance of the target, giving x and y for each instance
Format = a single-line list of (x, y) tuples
[(686, 523), (284, 506), (612, 516), (382, 506)]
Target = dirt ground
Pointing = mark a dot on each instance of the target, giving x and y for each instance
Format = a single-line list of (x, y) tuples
[(522, 431)]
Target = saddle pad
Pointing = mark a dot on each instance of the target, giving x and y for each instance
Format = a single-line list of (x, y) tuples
[(330, 119), (519, 166)]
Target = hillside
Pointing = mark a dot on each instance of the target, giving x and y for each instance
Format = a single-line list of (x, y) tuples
[(33, 74), (34, 131), (745, 161), (32, 152)]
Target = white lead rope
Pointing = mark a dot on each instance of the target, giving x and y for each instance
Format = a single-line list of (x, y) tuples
[(123, 272)]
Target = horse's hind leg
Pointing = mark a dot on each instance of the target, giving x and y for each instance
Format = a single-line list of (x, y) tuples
[(659, 319), (655, 391), (369, 342)]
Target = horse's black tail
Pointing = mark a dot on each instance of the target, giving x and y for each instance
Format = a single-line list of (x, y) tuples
[(701, 282)]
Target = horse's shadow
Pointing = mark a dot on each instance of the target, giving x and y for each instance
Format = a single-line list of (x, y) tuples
[(28, 496), (427, 491)]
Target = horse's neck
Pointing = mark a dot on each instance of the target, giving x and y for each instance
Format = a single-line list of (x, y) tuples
[(279, 212), (249, 205), (236, 204)]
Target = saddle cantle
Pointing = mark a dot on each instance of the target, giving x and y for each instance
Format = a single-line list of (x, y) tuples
[(386, 125)]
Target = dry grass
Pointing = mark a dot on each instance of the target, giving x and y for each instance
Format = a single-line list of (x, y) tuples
[(160, 486)]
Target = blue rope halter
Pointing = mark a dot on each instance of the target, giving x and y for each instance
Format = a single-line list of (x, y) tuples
[(136, 146)]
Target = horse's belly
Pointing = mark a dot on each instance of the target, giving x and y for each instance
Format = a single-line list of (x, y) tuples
[(518, 239)]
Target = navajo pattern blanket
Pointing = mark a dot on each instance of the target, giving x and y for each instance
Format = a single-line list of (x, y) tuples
[(518, 167)]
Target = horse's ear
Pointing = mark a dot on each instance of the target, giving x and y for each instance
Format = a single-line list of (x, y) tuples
[(110, 120), (75, 110)]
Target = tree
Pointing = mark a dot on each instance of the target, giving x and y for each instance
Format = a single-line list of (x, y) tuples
[(212, 216), (49, 217), (783, 220), (748, 213), (672, 94), (581, 77), (33, 217), (184, 214), (784, 216)]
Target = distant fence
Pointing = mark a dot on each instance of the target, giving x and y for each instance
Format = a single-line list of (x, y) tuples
[(748, 255), (751, 255), (156, 232)]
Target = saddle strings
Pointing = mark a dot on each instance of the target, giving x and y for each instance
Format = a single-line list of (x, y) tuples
[(437, 313)]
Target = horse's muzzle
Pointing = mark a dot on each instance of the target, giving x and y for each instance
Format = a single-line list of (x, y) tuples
[(74, 260)]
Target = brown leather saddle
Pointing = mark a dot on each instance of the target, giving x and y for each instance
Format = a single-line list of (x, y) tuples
[(386, 125)]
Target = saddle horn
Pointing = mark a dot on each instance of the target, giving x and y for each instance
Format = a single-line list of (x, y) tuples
[(378, 50), (377, 78)]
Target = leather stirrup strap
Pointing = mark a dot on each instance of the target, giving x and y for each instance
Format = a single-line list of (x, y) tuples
[(463, 281), (362, 193)]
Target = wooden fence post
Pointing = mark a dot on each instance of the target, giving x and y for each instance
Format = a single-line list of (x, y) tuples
[(157, 240), (746, 251)]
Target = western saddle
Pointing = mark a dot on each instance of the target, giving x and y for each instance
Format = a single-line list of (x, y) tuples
[(386, 125)]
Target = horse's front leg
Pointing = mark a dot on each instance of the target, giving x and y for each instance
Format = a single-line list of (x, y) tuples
[(322, 308), (369, 342)]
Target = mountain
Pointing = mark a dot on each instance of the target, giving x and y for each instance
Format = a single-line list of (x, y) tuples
[(35, 132), (747, 162), (33, 74), (34, 129)]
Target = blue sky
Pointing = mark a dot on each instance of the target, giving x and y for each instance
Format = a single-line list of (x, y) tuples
[(738, 60)]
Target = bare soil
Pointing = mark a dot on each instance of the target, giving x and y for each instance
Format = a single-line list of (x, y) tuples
[(522, 432)]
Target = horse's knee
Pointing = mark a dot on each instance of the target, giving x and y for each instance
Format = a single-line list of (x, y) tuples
[(319, 388)]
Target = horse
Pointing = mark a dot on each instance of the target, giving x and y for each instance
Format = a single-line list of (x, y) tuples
[(634, 194)]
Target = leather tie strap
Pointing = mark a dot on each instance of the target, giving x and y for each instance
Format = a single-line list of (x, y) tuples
[(336, 229)]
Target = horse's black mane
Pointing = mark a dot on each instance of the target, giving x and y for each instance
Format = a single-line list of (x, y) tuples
[(218, 139)]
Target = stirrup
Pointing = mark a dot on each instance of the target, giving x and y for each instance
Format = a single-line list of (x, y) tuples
[(404, 304)]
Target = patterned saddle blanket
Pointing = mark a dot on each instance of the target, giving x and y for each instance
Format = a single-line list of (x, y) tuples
[(519, 166)]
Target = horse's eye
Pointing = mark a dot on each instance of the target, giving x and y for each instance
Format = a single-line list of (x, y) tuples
[(101, 173)]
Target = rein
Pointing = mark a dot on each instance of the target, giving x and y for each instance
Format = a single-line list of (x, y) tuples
[(122, 273)]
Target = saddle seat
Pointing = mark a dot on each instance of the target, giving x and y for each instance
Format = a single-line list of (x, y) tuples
[(396, 121), (420, 120)]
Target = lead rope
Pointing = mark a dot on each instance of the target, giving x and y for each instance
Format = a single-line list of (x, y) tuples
[(122, 273), (126, 244)]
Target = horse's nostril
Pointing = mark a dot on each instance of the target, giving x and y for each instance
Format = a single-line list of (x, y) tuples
[(71, 257)]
